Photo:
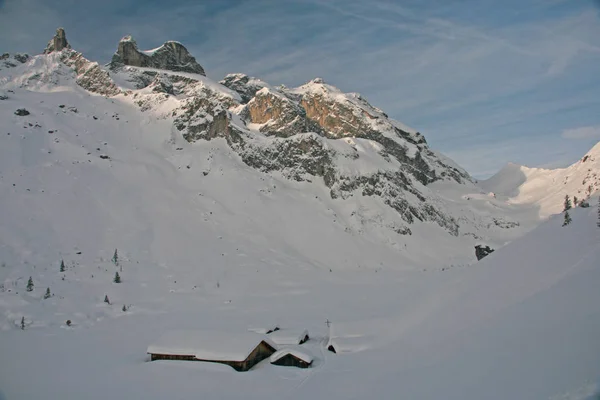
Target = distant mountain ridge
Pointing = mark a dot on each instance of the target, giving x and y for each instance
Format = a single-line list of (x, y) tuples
[(547, 188)]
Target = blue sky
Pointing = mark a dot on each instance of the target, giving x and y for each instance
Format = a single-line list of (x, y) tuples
[(486, 81)]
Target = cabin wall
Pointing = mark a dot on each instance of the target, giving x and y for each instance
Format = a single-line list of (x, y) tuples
[(304, 339), (154, 357), (291, 361), (262, 351)]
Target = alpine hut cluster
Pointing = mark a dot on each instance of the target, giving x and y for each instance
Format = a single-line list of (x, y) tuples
[(240, 351)]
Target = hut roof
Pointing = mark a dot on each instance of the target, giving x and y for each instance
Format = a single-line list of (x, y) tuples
[(209, 345), (288, 336), (300, 354), (349, 338), (265, 330)]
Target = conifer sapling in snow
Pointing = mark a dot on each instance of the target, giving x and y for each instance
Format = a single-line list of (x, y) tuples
[(106, 300), (48, 294), (30, 285), (62, 265), (567, 203), (23, 323), (575, 201), (598, 212), (117, 278), (115, 258), (124, 308), (567, 220)]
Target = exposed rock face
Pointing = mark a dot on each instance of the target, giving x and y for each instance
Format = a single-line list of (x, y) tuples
[(245, 86), (306, 122), (482, 251), (58, 42), (311, 133), (171, 56), (21, 112), (278, 115), (89, 74), (8, 61)]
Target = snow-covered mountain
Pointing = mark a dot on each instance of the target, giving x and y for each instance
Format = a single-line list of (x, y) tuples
[(546, 189), (312, 161)]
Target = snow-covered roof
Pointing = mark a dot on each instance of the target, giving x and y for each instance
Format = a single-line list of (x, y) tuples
[(208, 345), (350, 337), (288, 336), (300, 354), (264, 329)]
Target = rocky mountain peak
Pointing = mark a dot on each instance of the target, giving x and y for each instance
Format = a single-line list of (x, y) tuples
[(244, 85), (171, 56), (58, 42)]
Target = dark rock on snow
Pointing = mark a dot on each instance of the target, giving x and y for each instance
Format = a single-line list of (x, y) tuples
[(21, 112), (482, 251)]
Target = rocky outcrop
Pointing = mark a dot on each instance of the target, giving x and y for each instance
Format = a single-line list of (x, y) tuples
[(277, 115), (245, 86), (482, 251), (58, 42), (8, 61), (89, 74), (306, 123), (171, 56)]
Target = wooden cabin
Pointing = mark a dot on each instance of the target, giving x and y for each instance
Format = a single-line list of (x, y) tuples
[(240, 351), (291, 357)]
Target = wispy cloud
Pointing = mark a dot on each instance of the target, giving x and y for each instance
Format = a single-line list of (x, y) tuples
[(469, 73), (584, 132)]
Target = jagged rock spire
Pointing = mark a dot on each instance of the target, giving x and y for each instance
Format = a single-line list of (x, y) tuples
[(172, 56), (58, 42)]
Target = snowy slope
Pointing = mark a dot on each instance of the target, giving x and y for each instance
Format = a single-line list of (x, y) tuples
[(546, 188), (522, 324)]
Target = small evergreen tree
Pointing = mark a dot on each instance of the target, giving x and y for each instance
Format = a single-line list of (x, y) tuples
[(30, 285), (115, 258), (567, 220), (598, 212), (124, 308), (575, 201), (117, 278), (62, 265), (106, 300), (48, 294), (567, 203), (22, 323)]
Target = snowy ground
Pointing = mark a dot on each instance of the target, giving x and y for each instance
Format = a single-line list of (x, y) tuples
[(523, 323)]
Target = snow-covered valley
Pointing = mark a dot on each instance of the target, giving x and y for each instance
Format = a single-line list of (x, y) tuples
[(268, 223)]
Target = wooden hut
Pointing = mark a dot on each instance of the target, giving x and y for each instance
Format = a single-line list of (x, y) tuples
[(291, 357), (240, 351)]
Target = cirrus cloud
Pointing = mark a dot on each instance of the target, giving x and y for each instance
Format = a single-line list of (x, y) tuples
[(583, 132)]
